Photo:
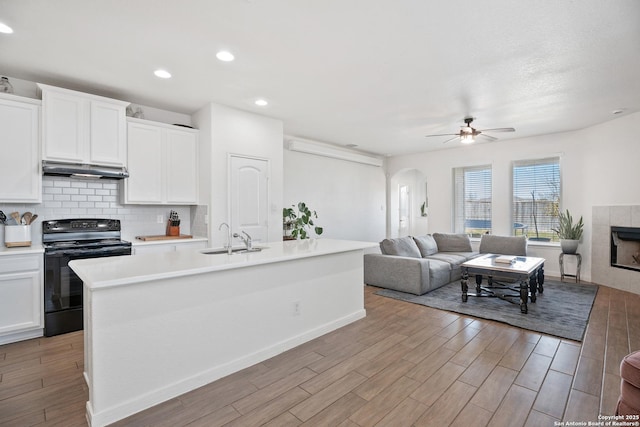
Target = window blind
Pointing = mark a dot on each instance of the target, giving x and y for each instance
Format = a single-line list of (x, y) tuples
[(472, 200), (536, 197)]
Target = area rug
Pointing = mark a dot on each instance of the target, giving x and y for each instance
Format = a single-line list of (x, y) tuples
[(562, 310)]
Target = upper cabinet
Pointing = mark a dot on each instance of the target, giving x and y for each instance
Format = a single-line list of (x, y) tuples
[(20, 170), (162, 163), (83, 128)]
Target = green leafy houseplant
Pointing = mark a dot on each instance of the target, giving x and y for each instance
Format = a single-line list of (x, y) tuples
[(567, 229), (300, 221), (568, 232)]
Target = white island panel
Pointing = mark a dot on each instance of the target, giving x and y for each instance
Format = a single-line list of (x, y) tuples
[(149, 340)]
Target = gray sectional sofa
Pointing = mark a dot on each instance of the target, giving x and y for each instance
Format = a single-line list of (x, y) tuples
[(421, 264)]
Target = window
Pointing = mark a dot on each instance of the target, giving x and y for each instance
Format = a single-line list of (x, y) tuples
[(536, 198), (472, 200)]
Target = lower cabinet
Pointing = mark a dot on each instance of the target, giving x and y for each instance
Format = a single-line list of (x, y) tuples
[(158, 248), (21, 300)]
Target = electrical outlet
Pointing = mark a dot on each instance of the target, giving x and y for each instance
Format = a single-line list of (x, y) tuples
[(296, 308), (160, 219)]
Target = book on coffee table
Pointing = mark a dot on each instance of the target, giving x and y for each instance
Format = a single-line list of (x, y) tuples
[(506, 259)]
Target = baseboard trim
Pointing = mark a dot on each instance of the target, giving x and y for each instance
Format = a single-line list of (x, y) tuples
[(21, 336)]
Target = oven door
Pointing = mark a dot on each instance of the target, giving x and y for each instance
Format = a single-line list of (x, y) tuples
[(63, 288)]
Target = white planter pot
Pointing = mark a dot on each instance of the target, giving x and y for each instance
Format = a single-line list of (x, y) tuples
[(569, 246)]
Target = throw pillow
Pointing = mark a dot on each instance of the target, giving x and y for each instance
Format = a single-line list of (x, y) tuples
[(452, 242), (505, 245), (402, 246), (426, 244)]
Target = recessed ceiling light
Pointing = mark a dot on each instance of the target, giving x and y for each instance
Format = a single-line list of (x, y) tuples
[(225, 56), (261, 102), (163, 74), (4, 28), (618, 111)]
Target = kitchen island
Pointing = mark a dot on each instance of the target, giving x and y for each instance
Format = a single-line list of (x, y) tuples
[(159, 325)]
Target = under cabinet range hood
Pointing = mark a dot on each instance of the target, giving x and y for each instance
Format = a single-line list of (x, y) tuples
[(76, 170)]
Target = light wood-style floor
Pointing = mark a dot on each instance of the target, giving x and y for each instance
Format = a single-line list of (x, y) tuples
[(402, 365)]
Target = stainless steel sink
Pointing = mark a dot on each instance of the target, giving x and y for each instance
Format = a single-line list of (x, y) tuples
[(223, 251)]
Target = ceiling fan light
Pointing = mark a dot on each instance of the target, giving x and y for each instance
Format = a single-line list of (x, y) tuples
[(163, 74), (4, 28), (225, 56), (467, 138)]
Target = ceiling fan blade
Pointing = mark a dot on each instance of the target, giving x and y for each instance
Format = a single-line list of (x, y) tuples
[(443, 134), (489, 137), (451, 139), (498, 130)]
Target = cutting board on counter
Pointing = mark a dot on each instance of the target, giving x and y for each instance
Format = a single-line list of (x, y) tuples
[(163, 237)]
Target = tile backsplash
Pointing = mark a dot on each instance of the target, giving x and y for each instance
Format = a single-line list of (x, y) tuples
[(76, 198)]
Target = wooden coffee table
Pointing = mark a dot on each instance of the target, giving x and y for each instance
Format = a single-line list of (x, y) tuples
[(526, 273)]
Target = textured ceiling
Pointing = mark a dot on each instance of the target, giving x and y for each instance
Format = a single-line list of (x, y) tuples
[(380, 74)]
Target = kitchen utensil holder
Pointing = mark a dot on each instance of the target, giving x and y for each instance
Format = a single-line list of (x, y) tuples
[(17, 235), (173, 230)]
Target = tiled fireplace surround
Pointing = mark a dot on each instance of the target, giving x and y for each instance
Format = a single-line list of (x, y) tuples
[(603, 218)]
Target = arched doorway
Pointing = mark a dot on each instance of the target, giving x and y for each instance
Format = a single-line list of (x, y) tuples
[(408, 203)]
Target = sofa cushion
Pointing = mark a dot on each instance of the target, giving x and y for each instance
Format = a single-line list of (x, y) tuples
[(452, 258), (401, 246), (452, 242), (630, 369), (439, 274), (426, 244), (504, 245), (629, 402)]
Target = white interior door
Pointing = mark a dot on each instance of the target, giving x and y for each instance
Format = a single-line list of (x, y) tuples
[(249, 196), (404, 209)]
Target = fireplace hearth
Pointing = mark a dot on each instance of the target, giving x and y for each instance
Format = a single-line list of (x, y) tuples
[(625, 247)]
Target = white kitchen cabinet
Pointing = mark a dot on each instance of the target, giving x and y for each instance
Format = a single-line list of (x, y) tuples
[(21, 301), (163, 164), (182, 166), (83, 128), (144, 154), (171, 246), (20, 170)]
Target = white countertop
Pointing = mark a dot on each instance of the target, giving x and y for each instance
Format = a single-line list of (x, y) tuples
[(124, 270), (21, 250), (137, 242)]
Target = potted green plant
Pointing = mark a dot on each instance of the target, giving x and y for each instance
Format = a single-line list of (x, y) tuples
[(568, 232), (297, 224), (423, 209)]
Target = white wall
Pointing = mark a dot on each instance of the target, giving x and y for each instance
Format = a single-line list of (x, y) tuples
[(224, 131), (348, 197), (599, 166)]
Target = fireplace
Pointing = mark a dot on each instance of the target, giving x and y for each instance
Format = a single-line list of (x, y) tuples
[(625, 247)]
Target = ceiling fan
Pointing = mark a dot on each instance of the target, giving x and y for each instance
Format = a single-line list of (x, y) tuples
[(468, 134)]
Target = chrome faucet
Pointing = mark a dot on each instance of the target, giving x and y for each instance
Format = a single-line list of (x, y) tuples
[(246, 241), (228, 246)]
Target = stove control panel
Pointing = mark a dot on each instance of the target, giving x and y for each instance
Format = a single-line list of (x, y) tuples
[(75, 225), (83, 225)]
